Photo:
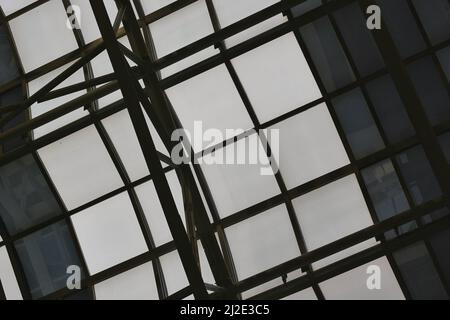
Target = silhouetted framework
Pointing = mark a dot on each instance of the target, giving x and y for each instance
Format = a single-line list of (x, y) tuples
[(144, 96)]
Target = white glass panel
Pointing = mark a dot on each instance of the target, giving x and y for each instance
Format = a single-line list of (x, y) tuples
[(173, 272), (135, 284), (87, 20), (153, 5), (352, 285), (101, 65), (181, 28), (237, 186), (332, 212), (231, 11), (211, 98), (122, 134), (251, 241), (42, 35), (10, 6), (80, 167), (39, 108), (189, 61), (153, 210), (8, 278), (307, 294), (276, 77), (109, 233), (309, 146), (159, 144), (255, 30)]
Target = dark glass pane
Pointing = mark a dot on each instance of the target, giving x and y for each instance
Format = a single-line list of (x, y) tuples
[(385, 190), (8, 65), (435, 17), (436, 215), (306, 6), (25, 198), (441, 246), (418, 175), (45, 256), (419, 273), (352, 24), (327, 54), (390, 109), (445, 144), (358, 124), (444, 59), (12, 97), (432, 92), (402, 27)]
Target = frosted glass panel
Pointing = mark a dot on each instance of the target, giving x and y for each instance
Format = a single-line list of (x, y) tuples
[(135, 284), (109, 233), (8, 278), (237, 186), (173, 272), (153, 210), (212, 100), (153, 5), (42, 28), (181, 28), (276, 77), (352, 285), (10, 6), (101, 65), (332, 212), (88, 23), (90, 176), (231, 11), (309, 146), (252, 240), (189, 61), (121, 131)]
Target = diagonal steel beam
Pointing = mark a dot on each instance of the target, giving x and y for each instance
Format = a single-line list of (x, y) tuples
[(166, 123), (128, 83)]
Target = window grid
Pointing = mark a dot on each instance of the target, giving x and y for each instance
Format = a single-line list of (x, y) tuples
[(356, 165)]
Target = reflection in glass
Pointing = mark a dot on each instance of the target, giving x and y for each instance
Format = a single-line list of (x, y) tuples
[(419, 273), (385, 190), (25, 198), (327, 54), (359, 126), (390, 109), (45, 256), (418, 175)]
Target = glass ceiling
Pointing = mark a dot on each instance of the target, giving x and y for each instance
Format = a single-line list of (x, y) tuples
[(91, 92)]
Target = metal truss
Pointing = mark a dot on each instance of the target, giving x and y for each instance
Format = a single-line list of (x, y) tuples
[(152, 99)]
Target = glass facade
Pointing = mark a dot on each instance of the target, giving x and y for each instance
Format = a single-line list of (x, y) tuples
[(356, 176)]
